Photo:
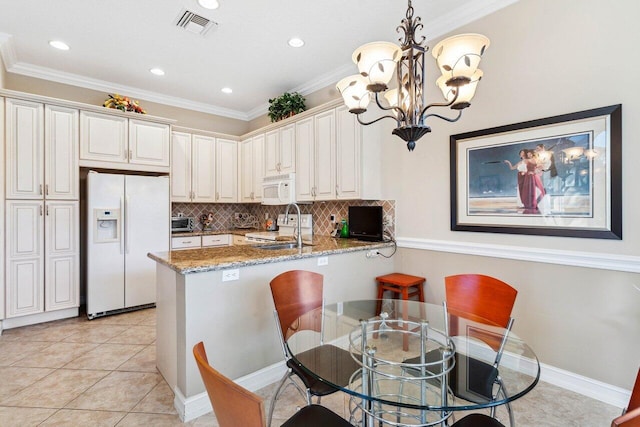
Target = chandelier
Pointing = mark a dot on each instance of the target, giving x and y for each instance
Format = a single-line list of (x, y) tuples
[(457, 58)]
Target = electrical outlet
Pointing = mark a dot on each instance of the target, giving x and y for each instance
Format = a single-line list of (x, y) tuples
[(266, 215), (372, 254), (228, 275), (388, 221), (332, 218), (323, 260)]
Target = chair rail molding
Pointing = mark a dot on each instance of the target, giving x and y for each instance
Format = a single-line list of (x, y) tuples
[(625, 263)]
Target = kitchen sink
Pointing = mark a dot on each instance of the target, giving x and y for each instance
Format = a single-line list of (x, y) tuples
[(276, 246)]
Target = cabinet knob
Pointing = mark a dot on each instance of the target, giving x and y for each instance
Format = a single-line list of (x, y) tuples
[(40, 189), (40, 210), (130, 154), (46, 189), (217, 195)]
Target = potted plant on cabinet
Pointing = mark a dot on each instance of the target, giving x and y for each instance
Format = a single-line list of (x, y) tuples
[(286, 105)]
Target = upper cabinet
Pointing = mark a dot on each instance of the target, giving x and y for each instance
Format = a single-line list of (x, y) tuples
[(204, 169), (251, 171), (119, 142), (315, 157), (42, 151), (280, 151)]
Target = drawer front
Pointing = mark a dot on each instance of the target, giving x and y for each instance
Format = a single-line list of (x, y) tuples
[(185, 242), (239, 240), (216, 240)]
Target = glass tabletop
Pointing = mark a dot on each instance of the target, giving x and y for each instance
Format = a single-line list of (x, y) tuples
[(410, 354)]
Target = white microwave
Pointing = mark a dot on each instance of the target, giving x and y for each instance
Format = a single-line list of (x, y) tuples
[(279, 189)]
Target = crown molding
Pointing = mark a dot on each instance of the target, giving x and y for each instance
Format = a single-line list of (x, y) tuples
[(7, 51)]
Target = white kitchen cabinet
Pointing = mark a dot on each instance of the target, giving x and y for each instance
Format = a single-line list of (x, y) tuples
[(61, 146), (25, 257), (251, 169), (216, 240), (186, 242), (148, 143), (203, 174), (42, 151), (358, 157), (61, 285), (315, 157), (25, 149), (119, 142), (305, 160), (42, 237), (193, 168), (325, 155), (238, 240), (280, 151), (226, 171), (103, 137)]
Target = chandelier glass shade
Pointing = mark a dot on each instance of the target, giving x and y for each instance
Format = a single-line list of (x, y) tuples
[(457, 57)]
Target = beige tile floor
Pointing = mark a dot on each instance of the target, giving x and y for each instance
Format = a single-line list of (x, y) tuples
[(102, 372)]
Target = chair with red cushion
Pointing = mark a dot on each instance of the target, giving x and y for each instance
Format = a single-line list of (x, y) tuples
[(630, 416)]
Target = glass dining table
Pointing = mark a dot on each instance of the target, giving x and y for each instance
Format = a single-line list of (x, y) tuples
[(412, 364)]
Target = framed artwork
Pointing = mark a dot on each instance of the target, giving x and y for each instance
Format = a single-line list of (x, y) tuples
[(558, 176)]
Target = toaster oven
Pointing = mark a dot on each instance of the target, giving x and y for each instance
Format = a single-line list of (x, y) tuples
[(182, 223)]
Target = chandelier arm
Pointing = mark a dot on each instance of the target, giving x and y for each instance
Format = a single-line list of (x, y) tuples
[(398, 109), (374, 121), (448, 119), (440, 104)]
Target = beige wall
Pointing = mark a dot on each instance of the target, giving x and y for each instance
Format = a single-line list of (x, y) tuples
[(184, 117), (547, 58)]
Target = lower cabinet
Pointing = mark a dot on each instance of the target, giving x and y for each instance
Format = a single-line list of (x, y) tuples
[(42, 241), (194, 242)]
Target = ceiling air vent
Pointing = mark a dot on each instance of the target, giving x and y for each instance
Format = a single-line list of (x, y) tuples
[(194, 23)]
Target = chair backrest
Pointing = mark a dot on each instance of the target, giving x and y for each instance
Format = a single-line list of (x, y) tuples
[(483, 296), (634, 401), (295, 293), (481, 299), (233, 404), (630, 419)]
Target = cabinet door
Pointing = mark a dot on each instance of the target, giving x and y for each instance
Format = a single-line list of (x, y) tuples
[(325, 156), (287, 149), (246, 181), (181, 167), (148, 143), (226, 171), (348, 156), (62, 225), (61, 153), (103, 137), (258, 167), (203, 177), (24, 141), (272, 153), (25, 263), (305, 160)]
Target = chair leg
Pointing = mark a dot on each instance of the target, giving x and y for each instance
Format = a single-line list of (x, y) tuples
[(287, 376)]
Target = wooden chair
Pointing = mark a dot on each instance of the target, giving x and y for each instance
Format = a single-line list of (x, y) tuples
[(296, 293), (235, 406), (481, 299), (631, 415)]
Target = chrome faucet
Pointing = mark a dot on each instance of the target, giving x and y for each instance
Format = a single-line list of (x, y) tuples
[(286, 221)]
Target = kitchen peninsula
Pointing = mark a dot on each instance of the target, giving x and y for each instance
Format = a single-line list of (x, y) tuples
[(221, 296)]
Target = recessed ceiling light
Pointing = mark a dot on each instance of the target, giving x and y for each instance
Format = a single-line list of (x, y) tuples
[(227, 90), (157, 71), (209, 4), (296, 42), (59, 44)]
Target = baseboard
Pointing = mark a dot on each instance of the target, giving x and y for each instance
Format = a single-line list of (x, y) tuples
[(607, 393), (199, 405), (32, 319)]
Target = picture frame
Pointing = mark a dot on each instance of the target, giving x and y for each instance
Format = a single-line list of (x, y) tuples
[(557, 176)]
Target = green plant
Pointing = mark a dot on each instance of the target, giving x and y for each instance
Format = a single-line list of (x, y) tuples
[(286, 105)]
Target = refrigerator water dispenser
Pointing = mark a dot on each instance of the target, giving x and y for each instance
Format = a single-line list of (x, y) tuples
[(107, 225)]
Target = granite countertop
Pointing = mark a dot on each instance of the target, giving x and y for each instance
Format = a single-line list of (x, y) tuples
[(188, 261)]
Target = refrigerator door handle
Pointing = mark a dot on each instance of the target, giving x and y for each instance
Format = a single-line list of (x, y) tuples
[(122, 216), (126, 223)]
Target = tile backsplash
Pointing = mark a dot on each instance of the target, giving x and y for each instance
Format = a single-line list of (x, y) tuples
[(223, 213)]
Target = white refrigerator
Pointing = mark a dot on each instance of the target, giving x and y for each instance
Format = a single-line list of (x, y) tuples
[(128, 217)]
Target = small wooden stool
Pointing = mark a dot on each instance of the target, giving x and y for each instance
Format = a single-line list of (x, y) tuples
[(403, 286)]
